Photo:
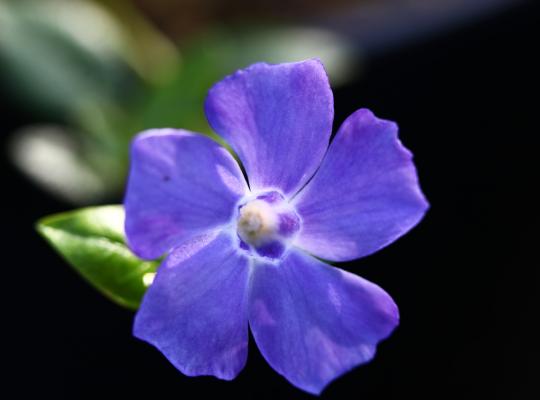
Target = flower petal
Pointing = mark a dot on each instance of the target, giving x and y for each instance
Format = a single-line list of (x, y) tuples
[(364, 196), (195, 312), (278, 118), (313, 322), (180, 184)]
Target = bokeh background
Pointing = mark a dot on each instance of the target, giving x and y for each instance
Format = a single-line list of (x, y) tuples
[(78, 78)]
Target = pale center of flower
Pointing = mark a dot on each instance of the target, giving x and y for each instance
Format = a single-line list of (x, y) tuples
[(257, 222)]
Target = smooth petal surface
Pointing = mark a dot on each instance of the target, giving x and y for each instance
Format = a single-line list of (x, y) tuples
[(180, 185), (277, 118), (313, 322), (195, 312), (365, 194)]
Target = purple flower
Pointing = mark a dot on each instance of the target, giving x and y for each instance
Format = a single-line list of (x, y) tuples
[(240, 255)]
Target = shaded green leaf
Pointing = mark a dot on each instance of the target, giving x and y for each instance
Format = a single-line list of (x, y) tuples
[(92, 240)]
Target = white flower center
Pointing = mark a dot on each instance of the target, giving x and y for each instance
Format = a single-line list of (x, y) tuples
[(257, 222)]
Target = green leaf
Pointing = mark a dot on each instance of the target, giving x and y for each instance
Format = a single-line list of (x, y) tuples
[(92, 240)]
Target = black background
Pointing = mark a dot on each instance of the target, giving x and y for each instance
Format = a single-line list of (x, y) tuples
[(464, 279)]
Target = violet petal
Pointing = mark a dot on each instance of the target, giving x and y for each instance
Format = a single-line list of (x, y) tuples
[(364, 196), (313, 322), (195, 312), (277, 118), (180, 185)]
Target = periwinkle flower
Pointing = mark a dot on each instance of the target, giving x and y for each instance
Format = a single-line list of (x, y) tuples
[(242, 254)]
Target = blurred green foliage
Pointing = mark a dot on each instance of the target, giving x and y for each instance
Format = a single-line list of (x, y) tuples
[(98, 72), (76, 64)]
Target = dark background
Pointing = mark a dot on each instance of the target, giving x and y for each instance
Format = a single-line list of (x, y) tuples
[(464, 279)]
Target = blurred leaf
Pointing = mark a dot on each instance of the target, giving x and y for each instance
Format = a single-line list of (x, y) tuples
[(57, 53), (147, 49), (49, 154), (278, 44), (47, 66), (74, 61), (92, 241)]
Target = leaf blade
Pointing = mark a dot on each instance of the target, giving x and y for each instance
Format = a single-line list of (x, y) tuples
[(92, 241)]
